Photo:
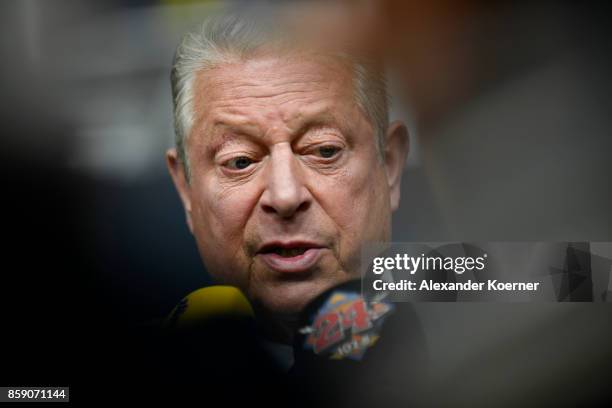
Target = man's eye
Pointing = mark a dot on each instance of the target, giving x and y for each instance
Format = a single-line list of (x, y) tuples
[(239, 163), (328, 152)]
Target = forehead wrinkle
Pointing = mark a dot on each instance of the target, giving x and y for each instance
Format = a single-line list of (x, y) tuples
[(232, 105), (260, 77), (269, 89), (250, 80), (241, 117)]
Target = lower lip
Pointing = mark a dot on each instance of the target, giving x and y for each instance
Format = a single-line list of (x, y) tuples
[(294, 264)]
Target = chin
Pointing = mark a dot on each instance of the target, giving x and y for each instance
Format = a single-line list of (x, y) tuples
[(291, 296)]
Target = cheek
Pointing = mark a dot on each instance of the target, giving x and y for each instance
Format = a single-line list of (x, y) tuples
[(220, 215), (357, 201)]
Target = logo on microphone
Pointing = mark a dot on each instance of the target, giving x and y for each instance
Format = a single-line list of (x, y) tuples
[(346, 326)]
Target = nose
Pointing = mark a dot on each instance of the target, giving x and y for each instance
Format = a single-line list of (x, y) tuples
[(285, 193)]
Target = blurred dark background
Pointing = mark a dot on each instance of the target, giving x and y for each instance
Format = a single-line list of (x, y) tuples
[(509, 110)]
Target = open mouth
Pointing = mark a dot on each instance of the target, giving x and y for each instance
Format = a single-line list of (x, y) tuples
[(288, 252), (290, 256)]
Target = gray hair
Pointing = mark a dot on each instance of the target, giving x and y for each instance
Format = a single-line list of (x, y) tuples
[(226, 38)]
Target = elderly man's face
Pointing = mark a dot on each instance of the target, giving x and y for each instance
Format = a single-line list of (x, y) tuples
[(286, 181)]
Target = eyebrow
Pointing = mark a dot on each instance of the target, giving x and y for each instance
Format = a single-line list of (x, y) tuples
[(244, 128), (321, 119)]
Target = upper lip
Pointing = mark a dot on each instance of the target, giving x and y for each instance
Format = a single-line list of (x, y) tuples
[(272, 245)]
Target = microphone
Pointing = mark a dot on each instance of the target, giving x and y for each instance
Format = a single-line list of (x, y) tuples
[(359, 349), (349, 348), (212, 345), (209, 304)]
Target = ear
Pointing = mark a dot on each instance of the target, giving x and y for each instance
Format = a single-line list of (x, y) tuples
[(396, 150), (177, 171)]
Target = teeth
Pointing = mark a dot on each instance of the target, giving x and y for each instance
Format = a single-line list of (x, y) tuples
[(289, 252)]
